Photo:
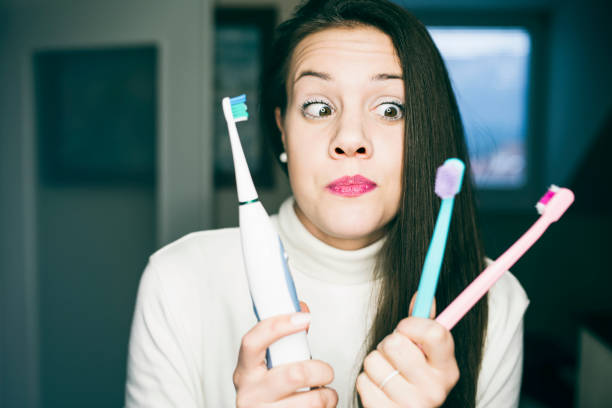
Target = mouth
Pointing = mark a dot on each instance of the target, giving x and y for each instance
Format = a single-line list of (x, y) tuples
[(351, 186)]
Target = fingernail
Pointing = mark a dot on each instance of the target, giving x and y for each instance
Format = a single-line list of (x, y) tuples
[(300, 319)]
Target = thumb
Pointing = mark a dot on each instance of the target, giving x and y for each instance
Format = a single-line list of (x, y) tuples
[(304, 308), (432, 312)]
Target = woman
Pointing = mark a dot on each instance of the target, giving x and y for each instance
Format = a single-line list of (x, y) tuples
[(361, 113)]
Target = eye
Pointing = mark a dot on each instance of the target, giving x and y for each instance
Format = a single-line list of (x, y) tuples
[(390, 111), (316, 109)]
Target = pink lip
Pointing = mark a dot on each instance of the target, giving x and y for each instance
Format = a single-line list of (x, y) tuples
[(348, 186)]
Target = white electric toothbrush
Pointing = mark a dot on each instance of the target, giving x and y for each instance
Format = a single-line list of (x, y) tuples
[(270, 282)]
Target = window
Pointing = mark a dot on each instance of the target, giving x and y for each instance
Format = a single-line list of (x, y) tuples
[(489, 67)]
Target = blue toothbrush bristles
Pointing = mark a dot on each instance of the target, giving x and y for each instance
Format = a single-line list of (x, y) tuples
[(449, 178), (239, 108)]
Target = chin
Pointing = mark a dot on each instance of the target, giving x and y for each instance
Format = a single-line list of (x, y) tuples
[(348, 219), (354, 227)]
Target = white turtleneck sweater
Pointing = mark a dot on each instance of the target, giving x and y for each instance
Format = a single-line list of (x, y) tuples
[(193, 307)]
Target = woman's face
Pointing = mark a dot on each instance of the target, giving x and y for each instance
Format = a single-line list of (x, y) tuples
[(343, 132)]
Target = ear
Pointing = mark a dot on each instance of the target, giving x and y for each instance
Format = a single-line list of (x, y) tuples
[(279, 123)]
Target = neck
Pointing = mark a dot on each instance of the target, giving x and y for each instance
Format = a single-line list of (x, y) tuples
[(311, 256)]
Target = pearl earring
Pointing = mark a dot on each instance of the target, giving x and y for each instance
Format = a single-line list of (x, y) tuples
[(283, 157)]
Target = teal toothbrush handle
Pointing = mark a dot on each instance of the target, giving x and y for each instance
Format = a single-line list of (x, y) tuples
[(433, 260)]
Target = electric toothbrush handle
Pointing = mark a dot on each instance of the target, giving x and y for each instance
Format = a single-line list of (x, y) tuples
[(289, 349), (271, 285)]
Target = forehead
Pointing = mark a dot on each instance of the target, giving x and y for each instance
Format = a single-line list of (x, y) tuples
[(364, 49)]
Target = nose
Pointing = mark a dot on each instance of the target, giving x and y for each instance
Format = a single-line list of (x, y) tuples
[(350, 139)]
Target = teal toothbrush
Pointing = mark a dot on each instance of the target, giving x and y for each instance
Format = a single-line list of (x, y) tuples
[(449, 178)]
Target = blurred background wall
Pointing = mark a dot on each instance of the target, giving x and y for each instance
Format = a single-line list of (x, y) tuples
[(73, 242)]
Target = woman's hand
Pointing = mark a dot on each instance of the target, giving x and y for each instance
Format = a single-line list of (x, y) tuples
[(423, 353), (256, 386)]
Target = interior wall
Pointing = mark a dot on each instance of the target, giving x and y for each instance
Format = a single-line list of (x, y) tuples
[(16, 289), (70, 258), (93, 244), (579, 85)]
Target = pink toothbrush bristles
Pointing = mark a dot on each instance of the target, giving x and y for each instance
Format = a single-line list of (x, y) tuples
[(552, 190), (547, 197)]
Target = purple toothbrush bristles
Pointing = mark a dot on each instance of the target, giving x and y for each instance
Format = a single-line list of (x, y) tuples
[(449, 177)]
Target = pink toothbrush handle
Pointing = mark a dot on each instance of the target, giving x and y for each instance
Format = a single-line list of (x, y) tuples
[(477, 289)]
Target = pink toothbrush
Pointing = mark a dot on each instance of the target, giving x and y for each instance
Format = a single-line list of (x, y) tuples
[(550, 207)]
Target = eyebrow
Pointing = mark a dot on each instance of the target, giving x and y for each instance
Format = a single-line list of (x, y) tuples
[(326, 77)]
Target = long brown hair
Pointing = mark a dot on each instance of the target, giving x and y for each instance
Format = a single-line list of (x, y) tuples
[(433, 132)]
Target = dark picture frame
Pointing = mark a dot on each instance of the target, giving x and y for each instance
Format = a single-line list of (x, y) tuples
[(96, 115), (243, 38)]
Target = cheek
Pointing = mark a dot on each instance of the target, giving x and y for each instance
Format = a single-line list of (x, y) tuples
[(392, 160), (306, 153), (390, 156), (295, 175), (300, 168)]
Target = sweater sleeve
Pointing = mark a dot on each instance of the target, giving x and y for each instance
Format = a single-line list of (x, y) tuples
[(159, 372), (499, 382)]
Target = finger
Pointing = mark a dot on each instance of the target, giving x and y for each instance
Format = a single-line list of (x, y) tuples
[(407, 358), (432, 312), (380, 371), (304, 308), (255, 342), (371, 395), (321, 397), (284, 380), (435, 341)]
